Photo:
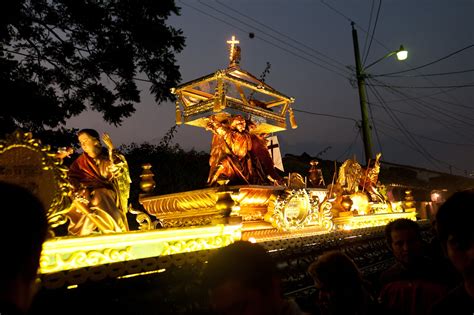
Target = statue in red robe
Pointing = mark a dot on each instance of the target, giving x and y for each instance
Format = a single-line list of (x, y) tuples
[(101, 187)]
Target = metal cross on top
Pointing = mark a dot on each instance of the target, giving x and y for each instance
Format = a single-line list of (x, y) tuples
[(234, 54)]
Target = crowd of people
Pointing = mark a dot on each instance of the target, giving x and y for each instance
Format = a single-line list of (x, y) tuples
[(426, 278), (242, 278)]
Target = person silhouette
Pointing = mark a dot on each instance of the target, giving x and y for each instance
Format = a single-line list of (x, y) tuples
[(414, 283), (21, 246), (454, 227), (340, 286), (242, 278)]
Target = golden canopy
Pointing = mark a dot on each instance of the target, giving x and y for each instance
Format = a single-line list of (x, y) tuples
[(232, 91)]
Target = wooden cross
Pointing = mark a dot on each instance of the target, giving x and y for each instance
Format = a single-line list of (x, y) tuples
[(232, 43), (272, 146)]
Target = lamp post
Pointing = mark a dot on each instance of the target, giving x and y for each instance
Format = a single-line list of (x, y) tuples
[(360, 76)]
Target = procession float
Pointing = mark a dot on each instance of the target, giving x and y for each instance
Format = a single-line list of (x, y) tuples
[(246, 198)]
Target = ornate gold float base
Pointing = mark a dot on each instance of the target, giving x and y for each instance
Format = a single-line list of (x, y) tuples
[(363, 221), (69, 253)]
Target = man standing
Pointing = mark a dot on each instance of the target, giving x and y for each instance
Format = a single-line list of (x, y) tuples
[(414, 283), (101, 183)]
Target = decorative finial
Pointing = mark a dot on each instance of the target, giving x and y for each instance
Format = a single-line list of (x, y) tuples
[(234, 52)]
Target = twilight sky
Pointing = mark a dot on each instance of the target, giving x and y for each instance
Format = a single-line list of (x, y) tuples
[(423, 117)]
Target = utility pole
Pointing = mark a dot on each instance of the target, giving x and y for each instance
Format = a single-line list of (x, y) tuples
[(360, 75)]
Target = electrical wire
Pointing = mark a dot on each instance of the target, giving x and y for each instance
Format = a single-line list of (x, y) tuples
[(432, 87), (416, 97), (281, 34), (373, 121), (411, 147), (444, 111), (429, 138), (398, 140), (429, 63), (419, 148), (373, 32), (429, 96), (325, 115), (422, 75), (271, 36), (345, 154), (401, 112), (446, 125), (337, 11), (370, 25), (383, 45), (264, 40)]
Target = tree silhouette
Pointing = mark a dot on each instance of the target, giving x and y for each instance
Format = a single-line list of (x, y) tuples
[(59, 58)]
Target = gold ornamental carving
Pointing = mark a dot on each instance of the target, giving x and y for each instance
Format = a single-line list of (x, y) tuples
[(197, 244), (200, 207), (365, 221), (80, 259), (292, 211), (26, 162)]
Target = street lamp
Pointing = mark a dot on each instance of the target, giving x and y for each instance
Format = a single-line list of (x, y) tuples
[(402, 54)]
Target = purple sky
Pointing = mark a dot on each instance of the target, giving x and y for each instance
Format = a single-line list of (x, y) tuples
[(439, 120)]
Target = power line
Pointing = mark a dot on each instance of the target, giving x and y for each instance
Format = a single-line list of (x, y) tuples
[(447, 125), (422, 75), (280, 33), (370, 24), (443, 111), (398, 140), (373, 32), (380, 43), (349, 148), (429, 63), (373, 121), (431, 87), (411, 147), (266, 41), (419, 148), (337, 11), (325, 115), (429, 96), (270, 35), (356, 24), (429, 138)]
